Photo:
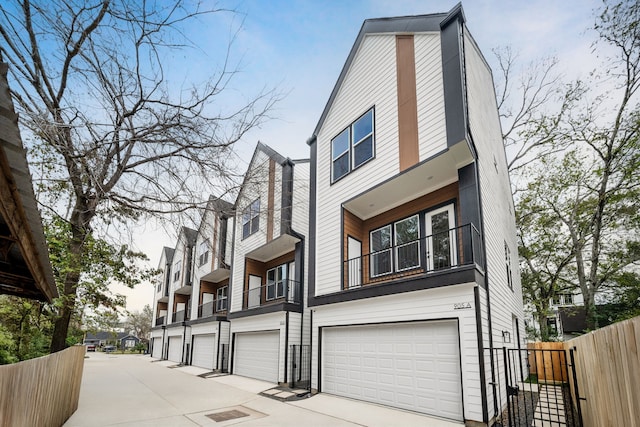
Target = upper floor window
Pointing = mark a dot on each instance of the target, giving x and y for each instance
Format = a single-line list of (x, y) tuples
[(203, 253), (353, 147), (507, 260), (221, 298), (176, 271), (277, 282), (405, 249), (251, 219)]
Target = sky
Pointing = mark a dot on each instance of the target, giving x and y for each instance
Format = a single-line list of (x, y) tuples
[(299, 48)]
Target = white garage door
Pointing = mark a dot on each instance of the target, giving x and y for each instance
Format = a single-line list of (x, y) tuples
[(203, 351), (256, 355), (175, 349), (157, 348), (413, 366)]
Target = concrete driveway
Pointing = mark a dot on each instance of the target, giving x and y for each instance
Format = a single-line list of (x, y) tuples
[(123, 390)]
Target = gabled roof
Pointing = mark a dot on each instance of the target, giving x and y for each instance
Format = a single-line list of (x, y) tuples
[(401, 24), (25, 269), (271, 153), (190, 235), (168, 253)]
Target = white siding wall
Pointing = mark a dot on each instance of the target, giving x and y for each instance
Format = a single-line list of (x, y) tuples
[(497, 203), (257, 184), (205, 328), (205, 234), (265, 322), (429, 304), (162, 265), (432, 132), (370, 81)]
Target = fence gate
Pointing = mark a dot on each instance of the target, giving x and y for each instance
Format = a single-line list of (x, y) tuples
[(535, 387), (299, 370), (224, 356)]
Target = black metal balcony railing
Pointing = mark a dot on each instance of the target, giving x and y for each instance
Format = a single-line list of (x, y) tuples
[(217, 306), (273, 292), (180, 316), (160, 320), (440, 251)]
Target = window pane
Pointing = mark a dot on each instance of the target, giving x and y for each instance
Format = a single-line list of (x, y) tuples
[(441, 240), (381, 239), (381, 263), (271, 291), (363, 152), (271, 276), (255, 224), (255, 208), (363, 126), (407, 230), (340, 144), (341, 166), (246, 229), (408, 256)]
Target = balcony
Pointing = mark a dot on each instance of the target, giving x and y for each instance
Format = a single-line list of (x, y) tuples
[(438, 252), (180, 316), (215, 307), (282, 291), (160, 321)]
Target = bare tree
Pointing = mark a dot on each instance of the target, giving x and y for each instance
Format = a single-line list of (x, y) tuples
[(140, 322), (110, 138), (583, 169), (532, 103)]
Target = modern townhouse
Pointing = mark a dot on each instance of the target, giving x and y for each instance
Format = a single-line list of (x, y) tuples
[(179, 305), (161, 304), (266, 307), (413, 273), (208, 323)]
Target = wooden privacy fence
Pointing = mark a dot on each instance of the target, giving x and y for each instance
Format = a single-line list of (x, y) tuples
[(42, 391), (548, 366), (607, 365)]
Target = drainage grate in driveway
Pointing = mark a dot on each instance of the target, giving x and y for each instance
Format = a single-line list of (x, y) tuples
[(227, 415)]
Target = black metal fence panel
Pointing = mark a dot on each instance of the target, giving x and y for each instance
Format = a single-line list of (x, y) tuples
[(299, 366), (224, 358), (532, 387)]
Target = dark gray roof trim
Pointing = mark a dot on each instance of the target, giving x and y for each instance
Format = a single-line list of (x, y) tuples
[(190, 234), (168, 253), (273, 154), (400, 24)]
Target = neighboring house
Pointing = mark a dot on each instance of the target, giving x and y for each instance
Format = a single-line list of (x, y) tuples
[(413, 273), (161, 303), (123, 340), (267, 283), (208, 326), (181, 285), (25, 270), (191, 299), (128, 342)]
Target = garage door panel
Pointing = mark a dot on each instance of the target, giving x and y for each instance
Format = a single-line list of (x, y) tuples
[(257, 355), (175, 349), (204, 347), (412, 366)]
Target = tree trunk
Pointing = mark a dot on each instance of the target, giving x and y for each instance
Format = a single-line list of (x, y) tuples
[(544, 326), (590, 311), (76, 252)]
